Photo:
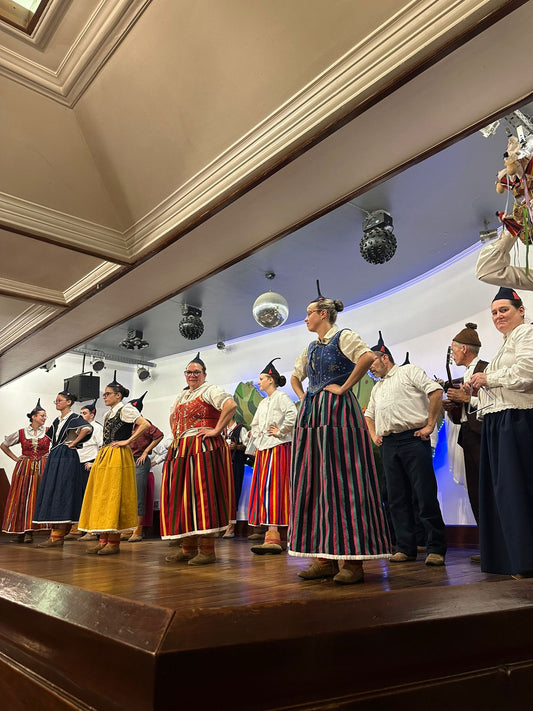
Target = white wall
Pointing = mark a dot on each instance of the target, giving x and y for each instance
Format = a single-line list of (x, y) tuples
[(422, 318)]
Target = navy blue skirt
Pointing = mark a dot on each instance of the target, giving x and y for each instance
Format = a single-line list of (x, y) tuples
[(506, 492), (62, 487)]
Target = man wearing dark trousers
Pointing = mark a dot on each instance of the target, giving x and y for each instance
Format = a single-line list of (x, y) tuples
[(401, 415), (462, 409)]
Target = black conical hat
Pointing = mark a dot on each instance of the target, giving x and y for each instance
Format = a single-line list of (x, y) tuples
[(138, 402), (406, 361), (270, 369), (380, 347), (505, 293), (114, 382), (198, 360), (91, 406)]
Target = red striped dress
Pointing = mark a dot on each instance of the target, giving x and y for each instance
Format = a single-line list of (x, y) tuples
[(197, 493), (269, 491), (20, 505)]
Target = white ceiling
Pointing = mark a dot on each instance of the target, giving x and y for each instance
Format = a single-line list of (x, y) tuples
[(138, 170)]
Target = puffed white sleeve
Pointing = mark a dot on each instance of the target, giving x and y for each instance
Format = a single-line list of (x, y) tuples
[(494, 265), (12, 439)]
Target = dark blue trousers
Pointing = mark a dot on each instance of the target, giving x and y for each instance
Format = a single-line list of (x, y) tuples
[(408, 468)]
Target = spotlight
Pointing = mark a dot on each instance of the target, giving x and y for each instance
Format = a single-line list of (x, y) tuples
[(378, 244), (98, 365), (48, 365), (221, 345), (134, 341), (143, 373), (191, 326)]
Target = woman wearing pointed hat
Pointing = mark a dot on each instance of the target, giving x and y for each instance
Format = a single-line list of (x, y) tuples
[(336, 513), (505, 392), (62, 485), (20, 505), (197, 492), (110, 501), (141, 448), (87, 454), (272, 428)]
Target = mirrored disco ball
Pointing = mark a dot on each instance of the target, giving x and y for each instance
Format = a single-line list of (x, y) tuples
[(270, 310), (378, 246)]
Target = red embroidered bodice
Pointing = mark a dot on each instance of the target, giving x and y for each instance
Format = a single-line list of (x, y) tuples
[(34, 448), (194, 413)]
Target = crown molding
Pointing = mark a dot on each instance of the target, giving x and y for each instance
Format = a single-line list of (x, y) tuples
[(30, 319), (401, 42), (31, 292), (103, 32), (92, 281), (64, 230)]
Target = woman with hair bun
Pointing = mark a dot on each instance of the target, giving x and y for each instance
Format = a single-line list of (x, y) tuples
[(61, 490), (20, 505), (272, 428), (336, 513), (110, 501)]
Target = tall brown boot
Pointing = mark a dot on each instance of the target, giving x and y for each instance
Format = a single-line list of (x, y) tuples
[(187, 550), (206, 553)]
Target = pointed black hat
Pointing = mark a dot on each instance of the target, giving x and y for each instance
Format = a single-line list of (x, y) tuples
[(270, 369), (319, 297), (138, 402), (380, 347), (114, 382), (505, 293), (91, 406), (406, 361), (198, 360)]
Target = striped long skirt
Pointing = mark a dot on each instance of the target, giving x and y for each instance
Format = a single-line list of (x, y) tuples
[(110, 501), (22, 496), (197, 493), (336, 511), (269, 492)]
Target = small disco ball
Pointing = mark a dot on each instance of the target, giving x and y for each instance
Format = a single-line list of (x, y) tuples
[(270, 310), (191, 327), (378, 246)]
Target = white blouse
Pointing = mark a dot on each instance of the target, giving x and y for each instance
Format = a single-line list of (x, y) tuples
[(276, 409), (29, 433), (494, 265), (510, 374)]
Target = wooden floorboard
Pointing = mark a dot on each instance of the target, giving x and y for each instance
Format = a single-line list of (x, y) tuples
[(140, 573)]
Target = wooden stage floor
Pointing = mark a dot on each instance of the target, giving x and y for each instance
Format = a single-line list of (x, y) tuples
[(247, 634), (239, 577)]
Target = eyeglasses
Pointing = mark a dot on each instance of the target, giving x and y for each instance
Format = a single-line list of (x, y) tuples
[(56, 402), (193, 372), (314, 311), (107, 394)]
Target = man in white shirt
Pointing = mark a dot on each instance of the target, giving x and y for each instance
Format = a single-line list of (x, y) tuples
[(401, 416)]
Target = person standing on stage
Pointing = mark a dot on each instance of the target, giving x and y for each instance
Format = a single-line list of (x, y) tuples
[(272, 428), (141, 448), (87, 455), (197, 493), (401, 415), (22, 495), (62, 485), (110, 501), (505, 392), (462, 408), (335, 513), (237, 439)]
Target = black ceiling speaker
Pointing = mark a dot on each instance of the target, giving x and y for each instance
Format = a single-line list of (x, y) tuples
[(378, 244)]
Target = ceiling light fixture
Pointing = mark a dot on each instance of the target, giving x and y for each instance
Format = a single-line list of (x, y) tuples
[(378, 244), (97, 364), (143, 373), (134, 341), (48, 365), (191, 326), (270, 309)]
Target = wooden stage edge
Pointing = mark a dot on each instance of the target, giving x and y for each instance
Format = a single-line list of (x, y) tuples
[(431, 645)]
